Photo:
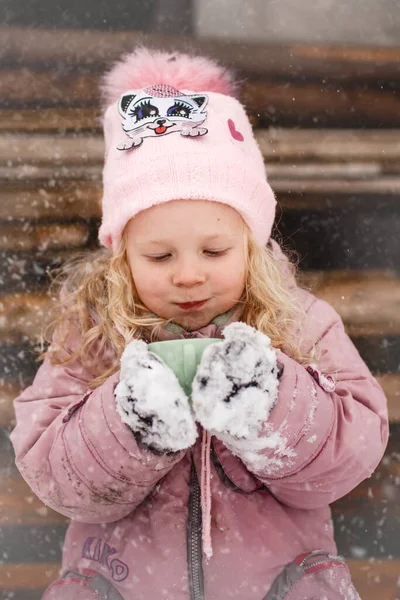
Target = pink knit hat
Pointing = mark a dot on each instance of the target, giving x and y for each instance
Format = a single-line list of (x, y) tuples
[(174, 131)]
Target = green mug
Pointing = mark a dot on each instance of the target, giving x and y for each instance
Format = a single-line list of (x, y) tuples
[(183, 357)]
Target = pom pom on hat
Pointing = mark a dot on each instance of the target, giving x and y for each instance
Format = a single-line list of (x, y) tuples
[(145, 67)]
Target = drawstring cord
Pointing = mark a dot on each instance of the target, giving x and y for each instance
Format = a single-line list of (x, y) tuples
[(206, 493)]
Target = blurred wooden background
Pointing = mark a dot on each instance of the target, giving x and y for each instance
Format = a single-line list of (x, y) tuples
[(328, 123)]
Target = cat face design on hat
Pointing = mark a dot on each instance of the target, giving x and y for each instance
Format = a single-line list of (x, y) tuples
[(158, 110)]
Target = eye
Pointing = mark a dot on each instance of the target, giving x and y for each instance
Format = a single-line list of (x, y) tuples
[(144, 110), (179, 110), (160, 258), (214, 253)]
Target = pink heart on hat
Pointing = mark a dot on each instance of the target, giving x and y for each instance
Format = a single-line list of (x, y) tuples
[(234, 132)]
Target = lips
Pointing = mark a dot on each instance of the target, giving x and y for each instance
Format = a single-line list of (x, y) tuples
[(191, 305), (161, 129)]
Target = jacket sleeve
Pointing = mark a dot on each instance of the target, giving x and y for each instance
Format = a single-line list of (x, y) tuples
[(319, 445), (74, 451)]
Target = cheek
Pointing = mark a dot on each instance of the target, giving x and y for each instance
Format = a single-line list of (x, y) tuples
[(231, 279), (148, 284)]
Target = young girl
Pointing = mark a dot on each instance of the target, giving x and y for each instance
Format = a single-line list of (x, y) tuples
[(225, 496)]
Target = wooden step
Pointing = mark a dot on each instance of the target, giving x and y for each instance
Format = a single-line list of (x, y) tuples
[(27, 576), (9, 389), (283, 83), (68, 142), (359, 510), (367, 301), (33, 236), (75, 200), (331, 104), (20, 506), (93, 49), (376, 578), (54, 150), (272, 102), (338, 145), (51, 120), (24, 316), (61, 199), (371, 506), (22, 271), (52, 176)]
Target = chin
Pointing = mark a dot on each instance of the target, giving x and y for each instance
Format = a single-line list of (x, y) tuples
[(193, 322)]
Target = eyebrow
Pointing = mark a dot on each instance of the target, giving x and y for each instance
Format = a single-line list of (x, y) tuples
[(208, 238)]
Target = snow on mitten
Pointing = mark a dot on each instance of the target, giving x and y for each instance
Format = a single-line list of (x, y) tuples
[(236, 384), (151, 401)]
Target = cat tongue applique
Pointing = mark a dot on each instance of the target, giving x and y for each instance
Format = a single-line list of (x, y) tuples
[(159, 110)]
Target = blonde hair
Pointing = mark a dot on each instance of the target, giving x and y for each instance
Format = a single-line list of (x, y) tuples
[(98, 296)]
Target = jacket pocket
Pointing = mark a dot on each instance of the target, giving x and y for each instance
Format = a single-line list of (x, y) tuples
[(84, 584), (316, 575)]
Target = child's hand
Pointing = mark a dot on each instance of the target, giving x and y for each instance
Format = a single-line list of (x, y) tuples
[(151, 401), (236, 383)]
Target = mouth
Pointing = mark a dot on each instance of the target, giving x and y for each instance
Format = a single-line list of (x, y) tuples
[(160, 130), (191, 305)]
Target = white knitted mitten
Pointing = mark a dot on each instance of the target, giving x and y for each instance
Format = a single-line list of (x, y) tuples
[(236, 384), (151, 401)]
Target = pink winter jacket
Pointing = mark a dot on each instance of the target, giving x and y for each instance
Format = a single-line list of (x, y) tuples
[(135, 530)]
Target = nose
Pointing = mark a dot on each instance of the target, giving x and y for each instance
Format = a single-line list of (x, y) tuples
[(161, 121), (188, 274)]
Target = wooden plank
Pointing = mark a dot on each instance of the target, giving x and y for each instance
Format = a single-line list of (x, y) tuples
[(69, 138), (380, 353), (51, 120), (327, 171), (278, 144), (30, 88), (24, 316), (33, 236), (51, 200), (20, 506), (30, 149), (309, 145), (312, 104), (368, 301), (331, 172), (390, 383), (93, 49), (308, 104), (373, 498), (376, 150), (9, 390), (373, 578), (298, 198), (32, 176), (376, 578), (33, 594), (27, 576), (369, 574), (30, 270), (382, 185), (58, 197)]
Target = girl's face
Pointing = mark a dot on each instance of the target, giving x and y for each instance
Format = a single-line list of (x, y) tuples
[(187, 251)]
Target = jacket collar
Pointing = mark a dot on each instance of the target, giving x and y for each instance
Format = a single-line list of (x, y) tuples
[(173, 331)]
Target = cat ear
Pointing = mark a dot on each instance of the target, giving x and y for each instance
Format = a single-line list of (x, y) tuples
[(201, 101), (124, 102)]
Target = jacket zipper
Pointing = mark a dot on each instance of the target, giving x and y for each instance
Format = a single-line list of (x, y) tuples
[(194, 540), (316, 553)]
